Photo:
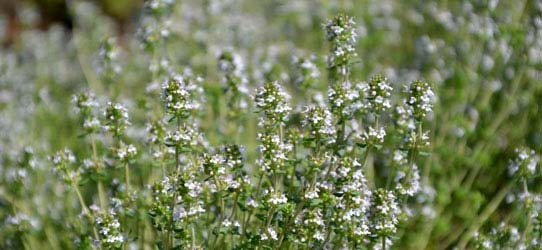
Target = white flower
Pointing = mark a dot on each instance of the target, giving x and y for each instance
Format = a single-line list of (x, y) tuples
[(340, 32), (277, 198), (226, 223), (181, 96), (320, 122), (126, 151), (377, 92), (312, 194), (373, 136), (272, 101), (91, 124), (252, 203), (385, 212), (271, 233), (420, 99), (194, 188), (409, 186), (84, 102), (525, 163), (273, 151)]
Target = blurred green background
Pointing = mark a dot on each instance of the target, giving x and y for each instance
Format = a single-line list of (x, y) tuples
[(484, 59)]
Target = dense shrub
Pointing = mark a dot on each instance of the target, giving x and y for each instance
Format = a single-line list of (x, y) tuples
[(276, 125)]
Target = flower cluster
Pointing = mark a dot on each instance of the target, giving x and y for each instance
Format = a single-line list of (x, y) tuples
[(109, 229), (320, 123), (180, 97), (109, 55), (403, 118), (158, 7), (416, 141), (314, 222), (275, 197), (126, 152), (63, 158), (420, 99), (116, 119), (342, 36), (384, 213), (354, 199), (320, 169), (85, 104), (235, 83), (373, 136), (506, 236), (161, 210), (273, 151), (343, 100), (272, 102), (524, 165), (185, 137), (64, 166), (408, 180), (305, 73), (378, 91)]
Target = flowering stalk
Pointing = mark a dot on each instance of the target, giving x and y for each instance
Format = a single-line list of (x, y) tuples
[(62, 161), (85, 105), (101, 192)]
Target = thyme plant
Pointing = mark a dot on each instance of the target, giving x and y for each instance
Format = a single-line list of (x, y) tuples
[(292, 125)]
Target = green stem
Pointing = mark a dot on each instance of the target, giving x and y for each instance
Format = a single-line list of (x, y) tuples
[(81, 200), (102, 196), (221, 214), (127, 176), (86, 210), (529, 217), (101, 192), (169, 238), (260, 182), (193, 238), (269, 217)]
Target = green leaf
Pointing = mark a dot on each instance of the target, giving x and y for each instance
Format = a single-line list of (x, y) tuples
[(424, 153), (315, 202)]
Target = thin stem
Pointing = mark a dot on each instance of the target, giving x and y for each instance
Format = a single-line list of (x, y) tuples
[(90, 77), (278, 178), (232, 214), (102, 196), (101, 192), (527, 208), (81, 200), (162, 164), (127, 176), (221, 214), (193, 238), (85, 209), (170, 240), (269, 217), (260, 182), (414, 152), (234, 205), (369, 171)]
